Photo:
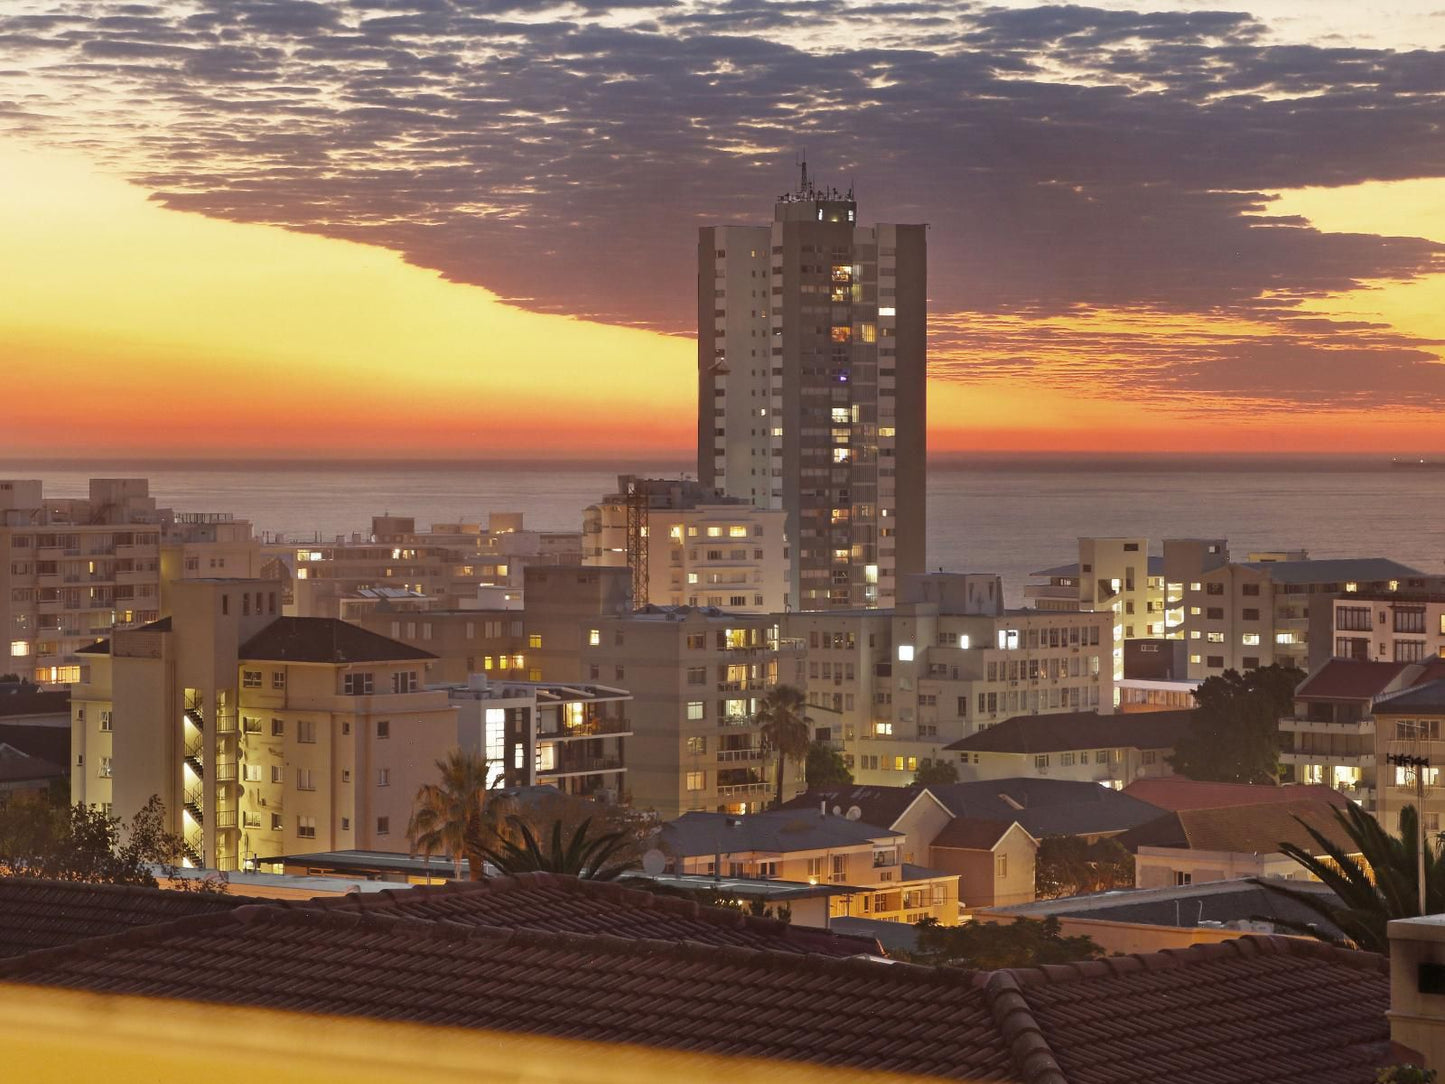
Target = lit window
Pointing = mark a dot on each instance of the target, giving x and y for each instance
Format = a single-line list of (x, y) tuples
[(738, 531), (714, 532), (905, 652), (1250, 639), (694, 710), (696, 780), (534, 640), (19, 648), (594, 637)]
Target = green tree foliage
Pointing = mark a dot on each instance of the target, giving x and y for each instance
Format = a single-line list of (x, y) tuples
[(783, 723), (1370, 890), (826, 767), (1233, 737), (83, 843), (937, 773), (989, 945), (597, 858), (1072, 866), (453, 816)]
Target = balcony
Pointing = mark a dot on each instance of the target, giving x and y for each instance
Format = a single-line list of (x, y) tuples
[(734, 756), (1344, 760), (597, 728), (582, 766), (738, 789), (751, 685), (1357, 728)]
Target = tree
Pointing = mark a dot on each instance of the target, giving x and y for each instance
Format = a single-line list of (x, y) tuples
[(453, 816), (83, 843), (825, 767), (784, 723), (1370, 890), (989, 945), (937, 773), (594, 858), (1071, 866), (1233, 736)]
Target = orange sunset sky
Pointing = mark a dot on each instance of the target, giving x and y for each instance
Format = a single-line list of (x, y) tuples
[(174, 285)]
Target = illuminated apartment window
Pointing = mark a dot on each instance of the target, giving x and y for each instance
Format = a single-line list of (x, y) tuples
[(696, 780), (250, 679), (105, 720), (534, 640), (19, 648), (594, 637), (694, 710)]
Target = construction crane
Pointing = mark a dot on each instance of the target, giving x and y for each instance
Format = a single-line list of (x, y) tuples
[(637, 505)]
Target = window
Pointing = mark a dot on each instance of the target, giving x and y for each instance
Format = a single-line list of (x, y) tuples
[(278, 774), (594, 637), (1066, 760), (697, 675), (383, 826), (1354, 618), (105, 767), (1249, 589), (346, 824), (278, 728), (697, 745), (1409, 650), (251, 773), (356, 684), (1000, 866), (403, 681), (1410, 620), (306, 731), (346, 775), (277, 824), (305, 779), (1182, 878), (1250, 639), (1041, 761), (1149, 756), (1101, 756), (250, 725), (250, 679), (1215, 662), (1214, 588), (694, 710), (696, 780), (104, 720), (383, 777), (383, 728), (278, 680), (1215, 637), (306, 827)]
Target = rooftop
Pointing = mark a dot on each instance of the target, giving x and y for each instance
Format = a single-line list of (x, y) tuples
[(778, 831), (1078, 730), (327, 640), (1046, 807), (1243, 829), (1427, 699), (1339, 570), (22, 698), (1349, 679), (1175, 792), (1156, 568)]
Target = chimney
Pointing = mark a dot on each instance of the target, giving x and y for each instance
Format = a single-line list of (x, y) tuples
[(823, 808)]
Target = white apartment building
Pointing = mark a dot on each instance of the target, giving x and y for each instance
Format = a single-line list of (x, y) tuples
[(893, 688), (1256, 613), (74, 569), (701, 548), (811, 388), (1386, 627), (1114, 574), (571, 737), (263, 735)]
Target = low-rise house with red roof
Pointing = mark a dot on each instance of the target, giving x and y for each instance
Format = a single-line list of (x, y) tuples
[(1081, 745)]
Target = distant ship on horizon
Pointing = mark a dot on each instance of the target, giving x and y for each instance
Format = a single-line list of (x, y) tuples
[(1413, 463)]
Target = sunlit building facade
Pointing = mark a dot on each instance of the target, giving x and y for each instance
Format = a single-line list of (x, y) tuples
[(811, 388)]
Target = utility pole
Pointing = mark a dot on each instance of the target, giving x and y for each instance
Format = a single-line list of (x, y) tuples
[(1420, 765)]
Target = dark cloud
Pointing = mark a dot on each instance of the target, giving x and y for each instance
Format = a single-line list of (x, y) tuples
[(565, 152)]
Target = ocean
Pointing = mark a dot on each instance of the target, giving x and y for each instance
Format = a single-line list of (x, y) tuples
[(1005, 515)]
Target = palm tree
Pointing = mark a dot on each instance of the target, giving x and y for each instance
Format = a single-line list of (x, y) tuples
[(454, 816), (1380, 885), (783, 722), (580, 856)]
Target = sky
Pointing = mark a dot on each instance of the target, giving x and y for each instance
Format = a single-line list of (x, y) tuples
[(462, 228)]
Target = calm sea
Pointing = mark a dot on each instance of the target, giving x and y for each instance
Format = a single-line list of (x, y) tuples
[(1009, 516)]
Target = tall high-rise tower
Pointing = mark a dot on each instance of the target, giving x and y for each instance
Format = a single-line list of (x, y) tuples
[(811, 392)]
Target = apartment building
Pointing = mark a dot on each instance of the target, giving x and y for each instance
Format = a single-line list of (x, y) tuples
[(72, 569), (263, 735), (815, 847), (811, 388), (1114, 574), (465, 642), (1411, 723), (1389, 627), (893, 688), (571, 737), (1261, 612), (698, 547), (452, 564)]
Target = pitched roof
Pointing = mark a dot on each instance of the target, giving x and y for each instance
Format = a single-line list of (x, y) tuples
[(1281, 1009), (545, 901), (36, 914), (876, 805), (1046, 807), (1242, 829), (325, 639), (102, 647), (776, 831), (1348, 679), (21, 699), (1078, 730), (1156, 568), (971, 835), (1428, 698), (18, 766), (1176, 792), (704, 998), (50, 743), (1339, 570)]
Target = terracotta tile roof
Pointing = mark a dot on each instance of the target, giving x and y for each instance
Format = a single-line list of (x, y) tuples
[(971, 835), (1348, 679), (777, 831), (325, 639), (710, 999), (1283, 1010), (545, 901), (1241, 829), (1175, 792), (36, 914), (1079, 730)]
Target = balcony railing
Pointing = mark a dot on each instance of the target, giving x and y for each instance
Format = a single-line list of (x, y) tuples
[(742, 788), (594, 729), (583, 766), (731, 756)]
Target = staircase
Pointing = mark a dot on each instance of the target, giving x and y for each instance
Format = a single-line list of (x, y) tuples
[(194, 809)]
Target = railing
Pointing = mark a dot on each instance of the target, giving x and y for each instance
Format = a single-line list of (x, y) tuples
[(729, 756), (583, 765), (742, 788), (599, 728), (226, 771)]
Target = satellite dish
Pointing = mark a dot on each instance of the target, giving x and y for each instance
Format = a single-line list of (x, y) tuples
[(854, 813), (837, 811), (653, 862)]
